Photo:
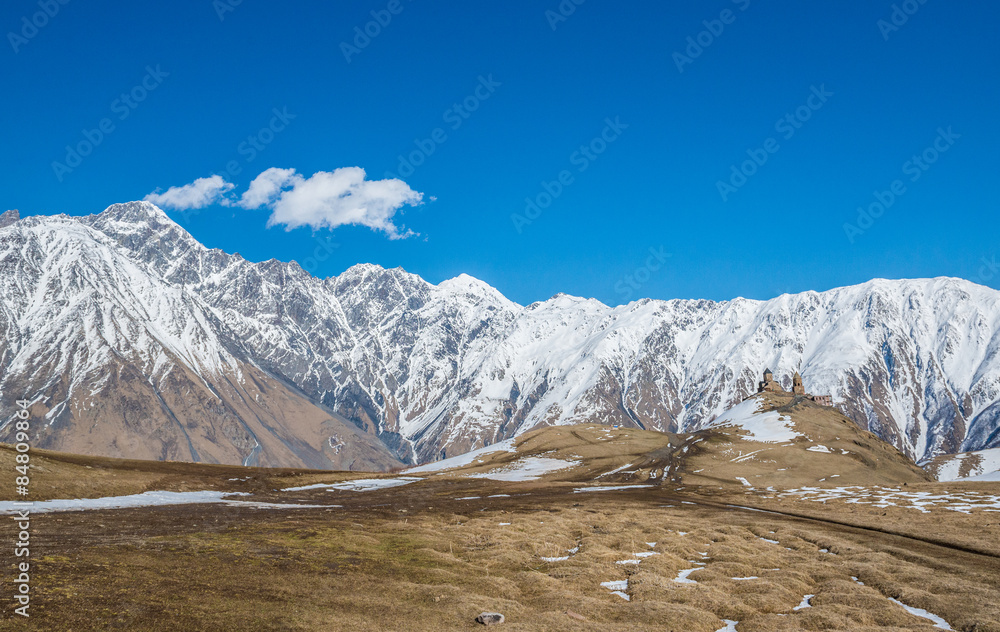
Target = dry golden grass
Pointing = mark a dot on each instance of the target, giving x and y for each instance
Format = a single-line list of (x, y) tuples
[(421, 560), (62, 475), (432, 555), (857, 456)]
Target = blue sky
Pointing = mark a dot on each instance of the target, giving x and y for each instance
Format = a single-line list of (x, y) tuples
[(644, 127)]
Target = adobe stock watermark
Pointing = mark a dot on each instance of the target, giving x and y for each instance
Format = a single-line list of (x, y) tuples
[(324, 249), (633, 281), (363, 35), (258, 141), (899, 16), (988, 271), (222, 7), (123, 106), (455, 116), (914, 168), (22, 508), (714, 28), (787, 126), (250, 148), (31, 26), (562, 13), (582, 159)]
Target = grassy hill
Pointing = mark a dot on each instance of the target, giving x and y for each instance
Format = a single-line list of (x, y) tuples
[(565, 528)]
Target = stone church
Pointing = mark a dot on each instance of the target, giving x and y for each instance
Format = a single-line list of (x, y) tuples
[(770, 385)]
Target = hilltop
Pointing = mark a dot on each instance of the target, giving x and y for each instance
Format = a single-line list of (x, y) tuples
[(770, 439)]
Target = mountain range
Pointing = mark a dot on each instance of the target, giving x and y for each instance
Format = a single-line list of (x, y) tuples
[(133, 339)]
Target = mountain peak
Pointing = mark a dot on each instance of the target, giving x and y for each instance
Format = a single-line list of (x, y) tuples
[(137, 211), (465, 282), (470, 285), (9, 217), (363, 268)]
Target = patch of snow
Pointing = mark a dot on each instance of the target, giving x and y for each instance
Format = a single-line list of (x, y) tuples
[(145, 499), (744, 481), (606, 488), (463, 459), (769, 427), (682, 577), (984, 466), (730, 626), (262, 505), (526, 469), (939, 623), (992, 477), (555, 559), (819, 448), (743, 579), (615, 471), (618, 588), (359, 485), (805, 603), (923, 501), (627, 562)]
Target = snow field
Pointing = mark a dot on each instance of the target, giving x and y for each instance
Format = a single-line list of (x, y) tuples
[(962, 502), (769, 427), (359, 485), (146, 499)]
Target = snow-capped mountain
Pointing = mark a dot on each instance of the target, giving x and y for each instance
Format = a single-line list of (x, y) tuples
[(146, 343)]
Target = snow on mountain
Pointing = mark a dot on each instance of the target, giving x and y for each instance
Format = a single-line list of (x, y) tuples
[(983, 465), (431, 371)]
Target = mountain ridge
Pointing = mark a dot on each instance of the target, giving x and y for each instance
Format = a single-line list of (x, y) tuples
[(434, 370)]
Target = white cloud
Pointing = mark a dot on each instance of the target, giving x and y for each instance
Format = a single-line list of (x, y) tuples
[(198, 194), (329, 199), (265, 188)]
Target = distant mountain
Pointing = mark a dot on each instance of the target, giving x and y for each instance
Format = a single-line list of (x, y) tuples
[(147, 344)]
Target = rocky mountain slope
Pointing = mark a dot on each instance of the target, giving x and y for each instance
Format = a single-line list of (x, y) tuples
[(144, 343)]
